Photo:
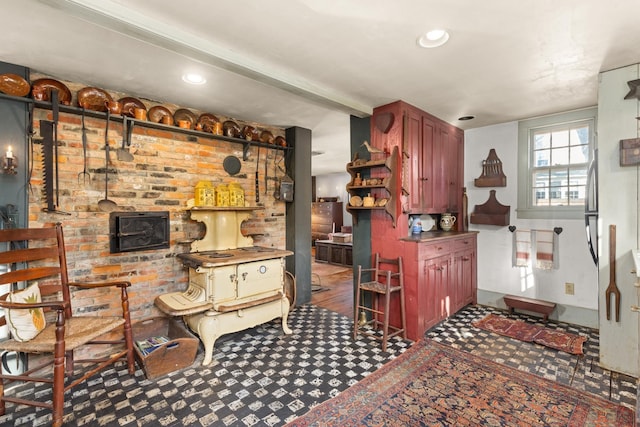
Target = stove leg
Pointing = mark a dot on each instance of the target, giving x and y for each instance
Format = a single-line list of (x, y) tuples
[(206, 328), (285, 314)]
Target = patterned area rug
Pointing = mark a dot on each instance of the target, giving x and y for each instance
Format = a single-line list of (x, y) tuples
[(436, 385), (523, 331)]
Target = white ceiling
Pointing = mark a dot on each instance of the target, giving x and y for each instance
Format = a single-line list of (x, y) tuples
[(312, 63)]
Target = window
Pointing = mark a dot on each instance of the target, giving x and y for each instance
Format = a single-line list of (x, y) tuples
[(554, 153)]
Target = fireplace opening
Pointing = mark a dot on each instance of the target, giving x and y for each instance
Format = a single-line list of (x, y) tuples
[(138, 231)]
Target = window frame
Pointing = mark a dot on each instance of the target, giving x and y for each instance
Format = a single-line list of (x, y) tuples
[(526, 209)]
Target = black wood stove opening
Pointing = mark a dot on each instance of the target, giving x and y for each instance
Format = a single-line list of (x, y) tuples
[(138, 231)]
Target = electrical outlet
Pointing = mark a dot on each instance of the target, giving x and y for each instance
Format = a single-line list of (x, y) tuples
[(569, 288)]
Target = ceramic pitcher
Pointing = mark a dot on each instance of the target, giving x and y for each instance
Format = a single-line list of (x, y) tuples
[(446, 221)]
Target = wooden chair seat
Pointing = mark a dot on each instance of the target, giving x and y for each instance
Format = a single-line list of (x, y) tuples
[(78, 331), (380, 288)]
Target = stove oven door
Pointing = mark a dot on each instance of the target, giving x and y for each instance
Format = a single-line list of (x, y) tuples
[(219, 282), (260, 278)]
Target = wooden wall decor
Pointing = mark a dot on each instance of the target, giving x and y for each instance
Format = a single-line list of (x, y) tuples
[(384, 121), (492, 175), (634, 89), (491, 212)]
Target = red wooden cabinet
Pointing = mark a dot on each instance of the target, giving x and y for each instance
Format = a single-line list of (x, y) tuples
[(440, 281), (440, 274)]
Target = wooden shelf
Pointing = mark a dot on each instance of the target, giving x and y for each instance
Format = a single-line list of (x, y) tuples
[(491, 212), (390, 185), (492, 175), (145, 123)]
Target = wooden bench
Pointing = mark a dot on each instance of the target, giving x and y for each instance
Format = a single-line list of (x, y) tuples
[(529, 304)]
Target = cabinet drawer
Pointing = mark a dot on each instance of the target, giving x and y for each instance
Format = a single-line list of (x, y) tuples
[(435, 249), (462, 244)]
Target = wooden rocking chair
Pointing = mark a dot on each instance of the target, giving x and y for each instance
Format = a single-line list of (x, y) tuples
[(38, 255)]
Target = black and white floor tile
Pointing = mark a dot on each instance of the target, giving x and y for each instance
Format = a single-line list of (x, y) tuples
[(259, 377), (581, 372)]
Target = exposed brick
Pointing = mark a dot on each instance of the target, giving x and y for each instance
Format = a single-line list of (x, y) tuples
[(167, 165)]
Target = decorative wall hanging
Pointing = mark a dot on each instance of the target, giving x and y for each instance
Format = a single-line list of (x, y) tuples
[(492, 175), (634, 89), (491, 212)]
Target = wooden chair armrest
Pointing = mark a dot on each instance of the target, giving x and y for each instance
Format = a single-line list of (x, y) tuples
[(120, 284), (54, 305)]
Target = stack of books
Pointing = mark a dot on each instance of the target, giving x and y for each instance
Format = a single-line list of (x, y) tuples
[(146, 346)]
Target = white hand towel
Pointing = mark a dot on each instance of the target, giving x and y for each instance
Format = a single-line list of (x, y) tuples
[(521, 248), (545, 249)]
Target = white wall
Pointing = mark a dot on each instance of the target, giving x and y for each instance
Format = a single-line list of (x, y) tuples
[(496, 276), (335, 185)]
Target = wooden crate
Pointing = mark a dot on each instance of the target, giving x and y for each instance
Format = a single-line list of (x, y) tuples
[(178, 353)]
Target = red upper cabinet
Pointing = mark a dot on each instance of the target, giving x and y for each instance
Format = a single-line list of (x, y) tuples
[(452, 140), (432, 157)]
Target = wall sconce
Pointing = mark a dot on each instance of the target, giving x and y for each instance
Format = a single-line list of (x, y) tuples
[(10, 162)]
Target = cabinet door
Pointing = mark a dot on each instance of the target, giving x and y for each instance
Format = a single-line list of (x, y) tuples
[(413, 179), (457, 281), (440, 163), (322, 252), (453, 147), (336, 254), (433, 302), (468, 268), (348, 255)]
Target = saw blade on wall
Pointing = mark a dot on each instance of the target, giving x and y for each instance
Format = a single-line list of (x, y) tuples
[(46, 132)]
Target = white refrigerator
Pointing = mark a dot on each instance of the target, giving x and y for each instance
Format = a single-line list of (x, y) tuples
[(618, 205)]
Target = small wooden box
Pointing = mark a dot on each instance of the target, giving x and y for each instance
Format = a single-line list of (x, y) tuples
[(341, 237), (178, 353)]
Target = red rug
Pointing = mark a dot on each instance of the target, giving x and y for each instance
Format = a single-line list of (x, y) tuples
[(435, 385), (523, 331)]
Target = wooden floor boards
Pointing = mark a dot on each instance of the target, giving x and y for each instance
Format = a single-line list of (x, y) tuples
[(339, 281)]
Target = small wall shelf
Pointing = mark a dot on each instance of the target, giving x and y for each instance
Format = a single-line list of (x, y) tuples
[(389, 184), (491, 212), (492, 175)]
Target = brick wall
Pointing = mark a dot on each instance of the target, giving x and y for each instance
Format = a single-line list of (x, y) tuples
[(166, 167)]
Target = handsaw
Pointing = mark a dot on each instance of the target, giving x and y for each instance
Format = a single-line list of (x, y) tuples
[(55, 113), (46, 132)]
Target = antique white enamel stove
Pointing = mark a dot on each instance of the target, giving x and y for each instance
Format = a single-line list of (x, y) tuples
[(232, 284)]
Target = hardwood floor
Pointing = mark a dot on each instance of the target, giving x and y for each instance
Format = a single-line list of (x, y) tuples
[(336, 284)]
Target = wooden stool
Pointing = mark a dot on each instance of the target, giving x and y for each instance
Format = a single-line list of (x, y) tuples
[(529, 304), (392, 281)]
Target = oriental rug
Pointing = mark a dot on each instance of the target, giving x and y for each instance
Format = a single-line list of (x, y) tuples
[(523, 331), (436, 385)]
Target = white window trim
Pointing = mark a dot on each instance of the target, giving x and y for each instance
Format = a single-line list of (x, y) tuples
[(525, 209)]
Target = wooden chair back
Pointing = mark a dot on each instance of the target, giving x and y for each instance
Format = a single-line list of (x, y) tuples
[(35, 254)]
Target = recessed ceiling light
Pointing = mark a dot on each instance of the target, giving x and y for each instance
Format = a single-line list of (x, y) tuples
[(463, 118), (433, 38), (194, 79)]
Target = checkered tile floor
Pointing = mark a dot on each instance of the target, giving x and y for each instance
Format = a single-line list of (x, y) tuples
[(261, 377), (580, 372)]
